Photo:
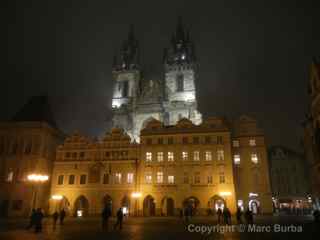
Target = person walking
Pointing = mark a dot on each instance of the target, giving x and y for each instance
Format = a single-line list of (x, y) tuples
[(239, 215), (32, 219), (106, 213), (249, 216), (119, 219), (186, 214), (55, 217), (226, 216), (38, 220), (219, 213), (316, 216), (62, 215)]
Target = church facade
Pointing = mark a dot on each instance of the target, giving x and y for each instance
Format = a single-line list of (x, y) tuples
[(137, 100)]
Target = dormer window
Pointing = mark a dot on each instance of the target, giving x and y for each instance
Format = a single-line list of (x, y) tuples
[(180, 83)]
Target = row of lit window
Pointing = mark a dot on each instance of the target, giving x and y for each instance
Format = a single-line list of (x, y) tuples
[(186, 140), (185, 156), (75, 155), (236, 143), (171, 178), (117, 179), (237, 159)]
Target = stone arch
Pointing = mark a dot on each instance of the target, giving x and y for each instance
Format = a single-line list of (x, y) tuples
[(125, 204), (63, 204), (191, 204), (81, 206), (107, 201), (149, 206), (216, 202), (167, 206)]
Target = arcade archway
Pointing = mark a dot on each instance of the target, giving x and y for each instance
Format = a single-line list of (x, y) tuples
[(81, 206), (167, 206), (149, 206)]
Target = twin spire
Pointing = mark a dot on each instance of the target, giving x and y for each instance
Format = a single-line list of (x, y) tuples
[(181, 50)]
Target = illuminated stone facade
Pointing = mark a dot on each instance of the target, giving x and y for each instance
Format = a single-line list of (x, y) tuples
[(173, 167), (312, 132), (137, 100)]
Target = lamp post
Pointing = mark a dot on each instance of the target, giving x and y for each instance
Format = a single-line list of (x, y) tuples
[(136, 196), (36, 179)]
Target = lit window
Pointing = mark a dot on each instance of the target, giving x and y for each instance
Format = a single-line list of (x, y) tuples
[(171, 179), (159, 177), (60, 179), (254, 158), (236, 159), (130, 178), (220, 155), (160, 156), (252, 142), (222, 179), (208, 156), (209, 179), (118, 178), (235, 143), (170, 157), (148, 156), (10, 176), (197, 177), (148, 178), (184, 156), (196, 156)]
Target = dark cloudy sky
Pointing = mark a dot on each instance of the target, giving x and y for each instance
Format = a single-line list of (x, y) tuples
[(254, 57)]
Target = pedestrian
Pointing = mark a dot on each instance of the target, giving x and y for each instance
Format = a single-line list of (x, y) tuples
[(249, 216), (239, 215), (106, 213), (186, 214), (62, 215), (119, 219), (219, 213), (38, 220), (316, 216), (32, 219), (226, 215), (55, 217)]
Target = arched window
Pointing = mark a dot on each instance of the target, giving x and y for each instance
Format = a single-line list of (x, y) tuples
[(180, 83)]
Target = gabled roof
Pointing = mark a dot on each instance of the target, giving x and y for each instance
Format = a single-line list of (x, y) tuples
[(37, 109)]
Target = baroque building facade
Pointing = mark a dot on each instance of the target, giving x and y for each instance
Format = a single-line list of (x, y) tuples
[(137, 100), (311, 137)]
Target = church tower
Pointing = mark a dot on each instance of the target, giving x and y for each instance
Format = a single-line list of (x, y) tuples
[(180, 69), (126, 76)]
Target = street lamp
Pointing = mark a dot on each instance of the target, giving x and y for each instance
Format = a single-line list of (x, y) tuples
[(35, 179), (136, 196)]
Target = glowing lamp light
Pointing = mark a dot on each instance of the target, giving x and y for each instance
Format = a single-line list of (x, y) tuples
[(253, 194), (136, 194), (38, 178), (79, 213), (224, 194), (57, 197), (125, 210)]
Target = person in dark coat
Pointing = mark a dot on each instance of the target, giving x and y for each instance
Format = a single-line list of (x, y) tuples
[(219, 213), (186, 214), (226, 216), (249, 216), (119, 219), (62, 215), (38, 220), (239, 215), (32, 219), (55, 217), (105, 215)]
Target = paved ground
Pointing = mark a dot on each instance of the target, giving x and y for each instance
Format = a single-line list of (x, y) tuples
[(164, 228)]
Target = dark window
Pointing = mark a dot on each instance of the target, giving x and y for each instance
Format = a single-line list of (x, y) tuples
[(219, 140), (67, 155), (170, 140), (196, 140), (82, 154), (180, 83), (17, 205), (28, 148), (71, 179), (107, 154), (60, 179), (125, 88), (83, 179), (106, 178), (74, 155), (185, 140), (149, 141), (160, 140), (207, 139)]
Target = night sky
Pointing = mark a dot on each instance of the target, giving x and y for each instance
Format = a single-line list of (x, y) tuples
[(254, 57)]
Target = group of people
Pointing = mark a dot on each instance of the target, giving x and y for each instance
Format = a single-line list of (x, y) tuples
[(36, 220), (224, 216), (248, 216), (106, 214), (37, 216)]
